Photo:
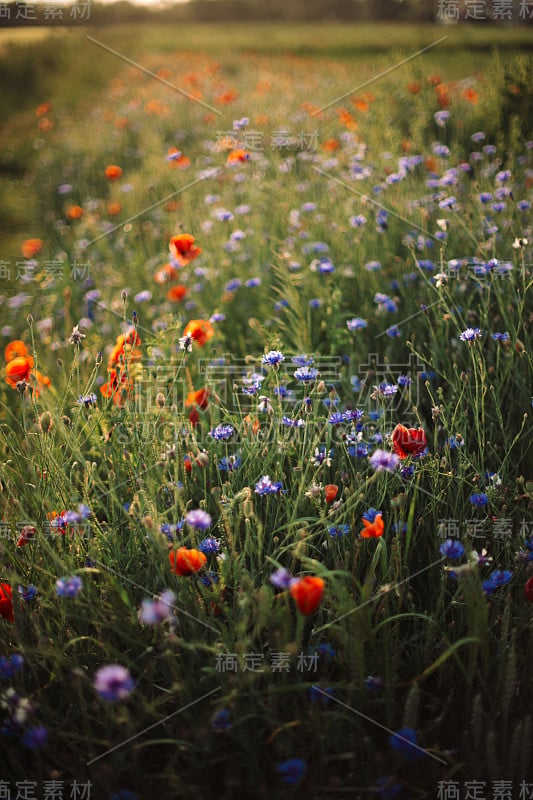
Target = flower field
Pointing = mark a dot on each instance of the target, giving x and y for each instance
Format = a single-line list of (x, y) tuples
[(266, 507)]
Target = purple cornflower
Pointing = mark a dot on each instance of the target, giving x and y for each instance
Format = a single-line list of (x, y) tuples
[(266, 486), (113, 682), (470, 334), (292, 423), (154, 611), (452, 549), (352, 415), (382, 460), (199, 519), (222, 432), (69, 587), (281, 578)]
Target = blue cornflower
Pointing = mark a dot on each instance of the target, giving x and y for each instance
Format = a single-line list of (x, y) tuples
[(113, 682), (273, 357), (209, 545), (87, 400), (292, 423), (356, 324), (373, 683), (336, 531), (352, 414), (232, 285), (387, 787), (407, 471), (501, 337), (371, 514), (336, 418), (496, 579), (28, 594), (35, 737), (305, 374), (324, 265), (10, 666), (229, 463), (124, 794), (452, 549), (252, 389), (453, 442), (393, 332), (404, 741), (69, 587), (302, 361), (317, 694), (252, 282), (359, 450), (479, 500), (470, 334), (404, 380), (292, 770), (221, 720), (315, 302), (222, 432)]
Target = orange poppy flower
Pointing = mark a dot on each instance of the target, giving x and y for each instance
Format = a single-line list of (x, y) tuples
[(199, 398), (6, 602), (226, 97), (431, 164), (43, 109), (114, 208), (182, 248), (177, 159), (361, 104), (177, 293), (434, 80), (200, 330), (119, 387), (113, 173), (251, 425), (413, 88), (238, 156), (18, 369), (374, 529), (185, 561), (31, 247), (165, 274), (331, 145), (346, 119), (45, 124), (307, 593), (14, 349), (331, 491), (74, 212), (408, 441), (471, 95)]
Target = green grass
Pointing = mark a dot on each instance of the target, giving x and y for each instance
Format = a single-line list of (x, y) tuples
[(452, 658)]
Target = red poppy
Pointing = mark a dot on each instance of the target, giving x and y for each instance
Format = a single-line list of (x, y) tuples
[(165, 274), (74, 212), (27, 533), (528, 590), (182, 248), (177, 159), (200, 330), (113, 173), (408, 441), (186, 562), (307, 593), (331, 491), (177, 293), (471, 95), (6, 602), (373, 530)]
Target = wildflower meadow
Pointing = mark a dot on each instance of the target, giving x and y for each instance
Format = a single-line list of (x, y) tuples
[(266, 502)]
